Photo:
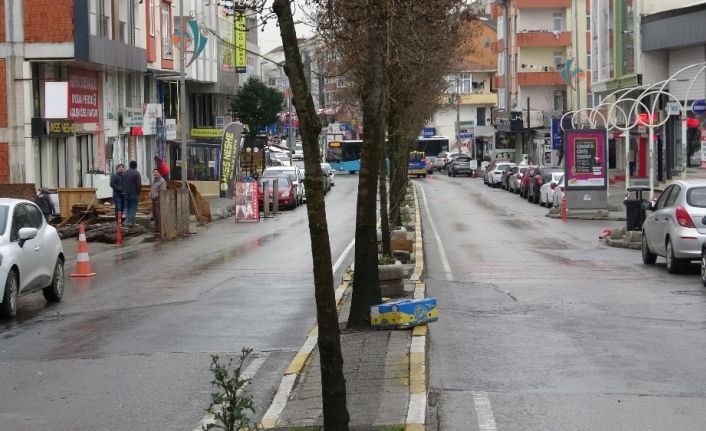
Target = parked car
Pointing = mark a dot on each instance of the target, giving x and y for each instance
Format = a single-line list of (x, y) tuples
[(330, 172), (674, 226), (298, 152), (495, 172), (460, 165), (513, 183), (440, 161), (279, 159), (286, 190), (430, 164), (451, 156), (546, 192), (31, 255), (294, 173), (558, 195), (505, 179), (526, 179), (540, 176)]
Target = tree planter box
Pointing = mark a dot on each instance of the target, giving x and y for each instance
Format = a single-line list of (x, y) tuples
[(391, 280), (404, 313)]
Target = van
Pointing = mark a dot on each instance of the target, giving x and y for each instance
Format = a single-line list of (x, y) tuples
[(298, 152)]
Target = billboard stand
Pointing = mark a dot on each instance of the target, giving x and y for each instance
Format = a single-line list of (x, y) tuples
[(246, 202), (586, 169)]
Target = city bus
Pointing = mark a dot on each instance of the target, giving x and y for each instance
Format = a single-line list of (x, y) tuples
[(432, 146), (344, 155)]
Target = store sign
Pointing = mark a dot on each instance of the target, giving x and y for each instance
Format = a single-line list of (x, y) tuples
[(149, 121), (207, 133), (699, 107), (703, 149), (428, 132), (59, 128), (557, 139), (246, 201), (83, 96), (241, 56), (170, 127), (220, 122), (133, 117), (585, 166)]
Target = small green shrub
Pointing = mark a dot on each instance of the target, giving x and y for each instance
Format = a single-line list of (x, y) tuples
[(230, 404)]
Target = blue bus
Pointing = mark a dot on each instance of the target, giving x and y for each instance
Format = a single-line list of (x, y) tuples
[(432, 146), (344, 155)]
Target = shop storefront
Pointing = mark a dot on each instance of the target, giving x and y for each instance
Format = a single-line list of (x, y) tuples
[(52, 152)]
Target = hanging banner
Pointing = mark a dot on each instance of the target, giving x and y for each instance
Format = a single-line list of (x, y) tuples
[(229, 153), (247, 196), (585, 165), (149, 119), (703, 148), (170, 127), (161, 139), (241, 56)]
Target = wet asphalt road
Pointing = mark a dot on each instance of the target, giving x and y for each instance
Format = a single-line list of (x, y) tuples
[(543, 327), (130, 348)]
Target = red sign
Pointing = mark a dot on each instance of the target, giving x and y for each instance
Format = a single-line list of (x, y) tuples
[(645, 118), (247, 201), (83, 96)]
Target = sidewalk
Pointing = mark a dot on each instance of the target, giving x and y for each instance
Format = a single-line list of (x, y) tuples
[(385, 370), (220, 208)]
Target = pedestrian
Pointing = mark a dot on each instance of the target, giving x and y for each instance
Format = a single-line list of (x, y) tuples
[(44, 203), (116, 183), (132, 184), (162, 167), (158, 184)]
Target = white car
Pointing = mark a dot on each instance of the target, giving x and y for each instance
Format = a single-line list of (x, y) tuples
[(546, 192), (558, 194), (495, 172), (31, 255), (294, 173), (298, 152), (331, 173), (281, 158)]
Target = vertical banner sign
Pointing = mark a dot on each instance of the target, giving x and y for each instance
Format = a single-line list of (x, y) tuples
[(241, 56), (703, 148), (557, 141), (161, 139), (585, 167), (229, 154), (83, 96), (246, 201)]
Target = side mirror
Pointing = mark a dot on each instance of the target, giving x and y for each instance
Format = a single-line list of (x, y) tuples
[(647, 206), (25, 234)]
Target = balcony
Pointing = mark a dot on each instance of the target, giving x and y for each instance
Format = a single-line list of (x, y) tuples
[(542, 4), (479, 99), (539, 79), (499, 81), (543, 38), (497, 46)]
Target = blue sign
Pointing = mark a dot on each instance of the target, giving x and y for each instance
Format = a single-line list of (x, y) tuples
[(465, 135), (428, 132), (344, 127), (699, 106), (557, 141)]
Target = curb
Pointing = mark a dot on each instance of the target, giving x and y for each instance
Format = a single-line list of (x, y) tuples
[(294, 370), (622, 244), (417, 407)]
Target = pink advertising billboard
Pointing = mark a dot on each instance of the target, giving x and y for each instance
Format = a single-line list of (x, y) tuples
[(586, 161)]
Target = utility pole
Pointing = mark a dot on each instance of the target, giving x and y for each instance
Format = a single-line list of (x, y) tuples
[(182, 93), (458, 116)]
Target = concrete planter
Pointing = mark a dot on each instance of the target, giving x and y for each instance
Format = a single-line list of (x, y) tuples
[(391, 280)]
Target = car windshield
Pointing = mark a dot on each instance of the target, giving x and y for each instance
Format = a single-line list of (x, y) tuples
[(281, 156), (290, 173), (281, 181), (696, 197), (4, 209), (463, 159)]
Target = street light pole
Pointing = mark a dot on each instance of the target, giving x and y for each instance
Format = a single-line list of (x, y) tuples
[(182, 93)]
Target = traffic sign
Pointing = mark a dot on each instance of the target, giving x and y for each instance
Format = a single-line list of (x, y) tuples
[(699, 106)]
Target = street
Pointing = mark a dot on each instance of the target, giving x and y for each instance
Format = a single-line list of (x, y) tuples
[(543, 327), (130, 348)]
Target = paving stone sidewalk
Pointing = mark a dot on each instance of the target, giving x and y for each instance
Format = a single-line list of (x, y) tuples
[(376, 368)]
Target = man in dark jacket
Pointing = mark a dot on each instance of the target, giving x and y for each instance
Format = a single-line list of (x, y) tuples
[(132, 184), (116, 183)]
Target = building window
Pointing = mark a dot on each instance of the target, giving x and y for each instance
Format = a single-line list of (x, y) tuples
[(132, 24), (153, 18), (558, 58), (166, 31), (103, 20), (464, 83), (559, 97), (588, 22), (559, 21)]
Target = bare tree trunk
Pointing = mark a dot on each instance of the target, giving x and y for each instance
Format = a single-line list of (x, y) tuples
[(384, 221), (398, 170), (366, 285), (333, 383)]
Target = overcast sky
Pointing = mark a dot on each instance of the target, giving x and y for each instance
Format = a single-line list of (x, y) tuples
[(270, 38)]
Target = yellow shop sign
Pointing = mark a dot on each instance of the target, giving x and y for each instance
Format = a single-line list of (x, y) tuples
[(206, 133)]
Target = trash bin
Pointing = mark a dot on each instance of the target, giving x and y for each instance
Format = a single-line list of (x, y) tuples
[(634, 209)]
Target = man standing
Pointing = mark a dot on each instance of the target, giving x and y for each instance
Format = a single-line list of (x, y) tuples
[(132, 183), (116, 183), (158, 184)]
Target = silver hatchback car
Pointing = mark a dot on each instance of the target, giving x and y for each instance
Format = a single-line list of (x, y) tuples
[(675, 226)]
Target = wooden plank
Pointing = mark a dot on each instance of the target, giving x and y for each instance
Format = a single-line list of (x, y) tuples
[(71, 196)]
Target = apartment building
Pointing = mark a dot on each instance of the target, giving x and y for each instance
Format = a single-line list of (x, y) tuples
[(543, 49)]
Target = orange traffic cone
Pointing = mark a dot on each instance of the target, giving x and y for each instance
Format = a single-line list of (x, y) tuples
[(564, 209), (83, 262)]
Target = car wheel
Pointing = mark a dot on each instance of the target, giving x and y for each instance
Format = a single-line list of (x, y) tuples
[(673, 264), (703, 268), (648, 257), (55, 290), (8, 308)]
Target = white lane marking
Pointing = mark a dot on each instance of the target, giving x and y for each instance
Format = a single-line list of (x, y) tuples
[(249, 372), (417, 411), (341, 258), (287, 384), (442, 253), (280, 399), (484, 412)]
